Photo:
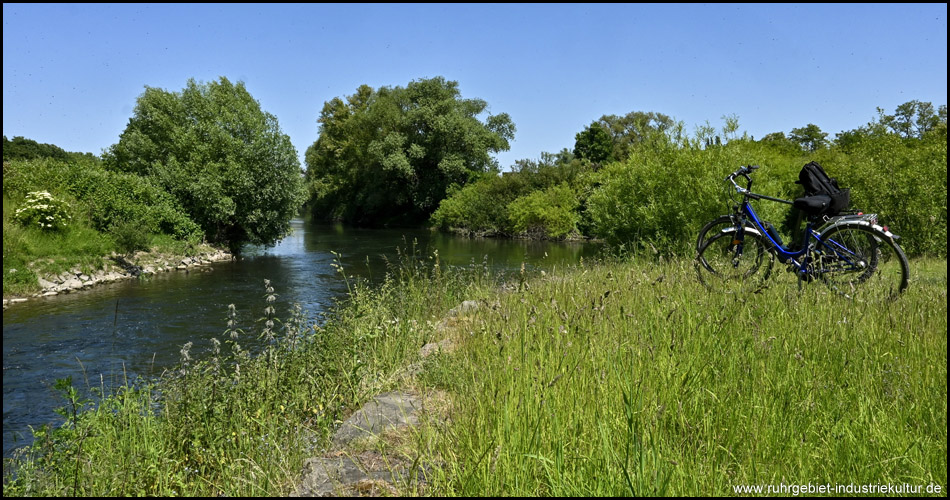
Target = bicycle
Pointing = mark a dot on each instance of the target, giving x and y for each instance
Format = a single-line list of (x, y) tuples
[(851, 253)]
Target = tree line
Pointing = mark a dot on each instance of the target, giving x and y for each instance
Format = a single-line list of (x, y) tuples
[(422, 154)]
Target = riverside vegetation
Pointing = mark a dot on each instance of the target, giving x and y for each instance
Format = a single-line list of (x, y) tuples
[(203, 166), (619, 377)]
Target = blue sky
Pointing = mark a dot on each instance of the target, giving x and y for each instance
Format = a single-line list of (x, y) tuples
[(72, 72)]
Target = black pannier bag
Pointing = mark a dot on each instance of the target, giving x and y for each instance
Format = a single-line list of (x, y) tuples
[(822, 194)]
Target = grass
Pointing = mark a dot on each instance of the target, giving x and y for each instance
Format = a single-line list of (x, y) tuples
[(229, 422), (30, 252), (628, 379), (612, 378)]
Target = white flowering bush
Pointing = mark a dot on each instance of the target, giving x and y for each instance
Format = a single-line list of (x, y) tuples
[(43, 211)]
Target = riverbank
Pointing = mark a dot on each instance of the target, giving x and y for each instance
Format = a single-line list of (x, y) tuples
[(115, 267), (605, 379)]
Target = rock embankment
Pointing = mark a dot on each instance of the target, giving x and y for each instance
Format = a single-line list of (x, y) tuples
[(348, 470), (118, 267)]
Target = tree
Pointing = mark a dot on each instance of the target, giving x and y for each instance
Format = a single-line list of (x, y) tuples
[(21, 148), (390, 155), (777, 140), (809, 137), (227, 161), (913, 118), (636, 128), (911, 121), (594, 144)]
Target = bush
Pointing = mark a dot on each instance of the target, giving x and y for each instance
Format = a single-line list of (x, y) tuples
[(107, 198), (662, 196), (129, 237), (223, 159), (42, 210), (552, 212)]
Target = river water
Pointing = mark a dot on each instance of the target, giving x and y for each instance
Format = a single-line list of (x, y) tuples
[(115, 332)]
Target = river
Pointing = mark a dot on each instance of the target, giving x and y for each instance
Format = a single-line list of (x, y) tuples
[(115, 332)]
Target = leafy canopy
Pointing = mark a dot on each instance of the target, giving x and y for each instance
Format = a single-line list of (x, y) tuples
[(390, 155), (220, 155)]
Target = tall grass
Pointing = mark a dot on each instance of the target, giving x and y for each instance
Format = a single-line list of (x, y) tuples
[(236, 421), (630, 379), (611, 378)]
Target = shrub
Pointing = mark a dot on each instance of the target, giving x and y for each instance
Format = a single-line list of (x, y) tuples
[(129, 237), (552, 212), (42, 210)]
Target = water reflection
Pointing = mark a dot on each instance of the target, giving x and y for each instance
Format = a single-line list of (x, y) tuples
[(111, 333)]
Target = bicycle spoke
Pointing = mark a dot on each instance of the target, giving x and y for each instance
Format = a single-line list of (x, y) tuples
[(861, 263), (724, 264)]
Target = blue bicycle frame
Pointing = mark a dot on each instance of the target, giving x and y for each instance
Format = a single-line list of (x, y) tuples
[(785, 255)]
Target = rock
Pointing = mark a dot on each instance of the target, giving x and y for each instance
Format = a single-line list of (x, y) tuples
[(386, 411), (45, 285), (465, 307), (364, 475), (445, 345), (72, 283)]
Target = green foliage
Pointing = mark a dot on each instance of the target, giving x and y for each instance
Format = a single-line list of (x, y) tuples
[(223, 158), (41, 210), (809, 137), (107, 198), (904, 181), (552, 212), (594, 144), (390, 155), (479, 207), (637, 129), (484, 205), (21, 148), (130, 238), (667, 187)]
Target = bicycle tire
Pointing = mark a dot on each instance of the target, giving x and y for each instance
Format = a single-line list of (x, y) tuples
[(721, 222), (861, 262), (721, 265)]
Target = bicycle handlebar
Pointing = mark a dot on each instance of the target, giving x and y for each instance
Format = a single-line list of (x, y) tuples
[(742, 172)]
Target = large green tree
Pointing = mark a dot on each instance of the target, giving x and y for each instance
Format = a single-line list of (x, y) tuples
[(390, 155), (810, 137), (224, 158), (595, 144)]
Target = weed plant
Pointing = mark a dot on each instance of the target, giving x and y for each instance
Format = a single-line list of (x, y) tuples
[(611, 378), (628, 378), (229, 421)]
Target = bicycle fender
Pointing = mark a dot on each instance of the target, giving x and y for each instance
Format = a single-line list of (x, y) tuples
[(748, 229), (865, 223)]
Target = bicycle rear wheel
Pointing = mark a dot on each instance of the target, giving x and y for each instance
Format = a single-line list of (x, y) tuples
[(862, 263), (725, 263)]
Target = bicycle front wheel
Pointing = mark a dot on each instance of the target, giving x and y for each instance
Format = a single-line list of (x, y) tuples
[(732, 264), (862, 263), (712, 227)]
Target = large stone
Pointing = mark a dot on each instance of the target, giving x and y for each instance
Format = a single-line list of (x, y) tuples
[(72, 284), (445, 346), (463, 308), (45, 285), (325, 476), (387, 411)]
